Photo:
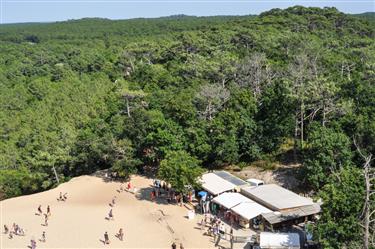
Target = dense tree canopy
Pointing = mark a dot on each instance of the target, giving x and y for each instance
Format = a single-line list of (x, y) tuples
[(92, 94)]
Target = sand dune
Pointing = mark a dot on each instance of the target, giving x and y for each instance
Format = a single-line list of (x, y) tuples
[(80, 221)]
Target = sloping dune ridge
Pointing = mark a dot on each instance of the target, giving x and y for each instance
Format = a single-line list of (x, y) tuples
[(80, 222)]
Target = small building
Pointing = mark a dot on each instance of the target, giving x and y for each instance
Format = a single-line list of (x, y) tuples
[(238, 182), (279, 240), (277, 220), (237, 208), (275, 197), (216, 185), (248, 213), (287, 208), (229, 200)]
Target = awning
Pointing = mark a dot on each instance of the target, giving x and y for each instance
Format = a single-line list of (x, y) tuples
[(295, 213), (215, 185), (229, 200), (249, 210)]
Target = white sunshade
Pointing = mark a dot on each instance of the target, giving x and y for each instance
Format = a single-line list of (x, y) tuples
[(229, 200), (249, 210), (215, 184), (279, 240)]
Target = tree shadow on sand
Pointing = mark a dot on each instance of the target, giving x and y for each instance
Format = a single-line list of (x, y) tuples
[(144, 194), (108, 176)]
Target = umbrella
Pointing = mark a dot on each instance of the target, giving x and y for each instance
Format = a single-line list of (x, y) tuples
[(202, 193)]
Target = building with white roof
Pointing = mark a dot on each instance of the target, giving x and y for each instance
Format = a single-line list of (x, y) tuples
[(216, 185), (275, 197), (229, 200)]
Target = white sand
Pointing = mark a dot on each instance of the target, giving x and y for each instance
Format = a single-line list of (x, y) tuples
[(80, 221)]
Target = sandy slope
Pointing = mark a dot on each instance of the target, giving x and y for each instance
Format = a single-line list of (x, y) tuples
[(80, 221)]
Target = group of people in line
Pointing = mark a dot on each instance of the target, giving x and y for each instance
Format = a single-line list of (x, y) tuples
[(16, 230), (120, 234), (46, 215)]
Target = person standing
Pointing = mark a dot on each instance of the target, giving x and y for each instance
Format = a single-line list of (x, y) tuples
[(6, 229), (121, 234), (45, 220), (40, 210), (174, 245), (110, 215), (106, 238), (48, 210), (43, 237), (33, 243)]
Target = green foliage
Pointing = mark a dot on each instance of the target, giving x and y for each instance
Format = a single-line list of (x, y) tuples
[(342, 198), (180, 170), (92, 94), (124, 161), (328, 152)]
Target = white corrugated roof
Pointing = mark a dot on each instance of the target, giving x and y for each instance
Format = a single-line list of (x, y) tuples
[(279, 240), (276, 197), (249, 209), (215, 184), (229, 200)]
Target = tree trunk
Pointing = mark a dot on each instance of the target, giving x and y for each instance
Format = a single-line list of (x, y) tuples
[(54, 171), (295, 138), (324, 115), (366, 210), (127, 107), (301, 120)]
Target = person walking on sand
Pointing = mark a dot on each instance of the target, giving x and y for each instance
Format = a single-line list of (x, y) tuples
[(43, 237), (40, 210), (61, 197), (174, 246), (33, 243), (129, 186), (121, 234), (65, 196), (48, 210), (110, 215), (45, 220), (10, 235), (106, 238), (114, 200), (6, 229), (181, 246)]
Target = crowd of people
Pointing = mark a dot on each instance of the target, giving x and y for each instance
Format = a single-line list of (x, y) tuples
[(19, 231), (159, 189), (15, 230)]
